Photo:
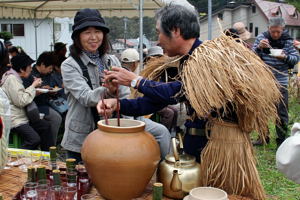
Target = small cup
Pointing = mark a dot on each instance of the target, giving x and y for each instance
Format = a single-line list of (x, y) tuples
[(42, 190), (69, 193), (207, 193), (56, 192), (30, 191)]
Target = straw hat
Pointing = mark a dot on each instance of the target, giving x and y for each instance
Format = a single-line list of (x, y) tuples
[(242, 31)]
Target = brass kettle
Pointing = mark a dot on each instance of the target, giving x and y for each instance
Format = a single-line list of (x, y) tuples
[(179, 173)]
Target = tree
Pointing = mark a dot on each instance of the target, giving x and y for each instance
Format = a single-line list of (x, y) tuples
[(6, 35), (117, 28)]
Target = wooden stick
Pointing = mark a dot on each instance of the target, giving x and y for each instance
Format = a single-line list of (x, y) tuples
[(157, 191), (105, 114), (118, 105)]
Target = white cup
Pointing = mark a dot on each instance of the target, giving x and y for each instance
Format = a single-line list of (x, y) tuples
[(207, 193), (276, 52)]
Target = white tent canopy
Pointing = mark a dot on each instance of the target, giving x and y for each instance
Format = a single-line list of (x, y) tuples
[(67, 8), (39, 9)]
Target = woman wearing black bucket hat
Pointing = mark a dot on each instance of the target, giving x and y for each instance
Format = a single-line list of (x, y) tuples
[(82, 73)]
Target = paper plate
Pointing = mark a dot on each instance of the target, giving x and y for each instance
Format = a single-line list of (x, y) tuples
[(55, 89), (42, 90)]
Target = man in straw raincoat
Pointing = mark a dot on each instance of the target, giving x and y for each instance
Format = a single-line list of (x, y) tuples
[(218, 82), (177, 38)]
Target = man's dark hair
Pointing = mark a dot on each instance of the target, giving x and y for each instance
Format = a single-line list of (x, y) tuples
[(76, 47), (13, 49), (177, 16), (45, 58)]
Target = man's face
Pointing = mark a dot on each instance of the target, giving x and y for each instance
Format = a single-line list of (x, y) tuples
[(275, 32), (167, 43), (45, 70)]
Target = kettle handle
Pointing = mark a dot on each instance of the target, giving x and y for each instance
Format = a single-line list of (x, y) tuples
[(180, 142), (175, 152)]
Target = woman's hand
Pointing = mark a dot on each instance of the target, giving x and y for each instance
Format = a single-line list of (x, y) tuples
[(37, 82), (107, 107), (111, 86)]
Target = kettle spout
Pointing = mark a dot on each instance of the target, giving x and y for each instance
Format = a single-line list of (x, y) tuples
[(175, 184)]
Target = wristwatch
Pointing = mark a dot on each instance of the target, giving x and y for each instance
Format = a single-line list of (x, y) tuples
[(135, 81)]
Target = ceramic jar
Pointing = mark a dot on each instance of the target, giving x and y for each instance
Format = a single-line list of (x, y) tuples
[(120, 160)]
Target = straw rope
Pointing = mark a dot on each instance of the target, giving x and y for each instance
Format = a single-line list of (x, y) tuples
[(154, 69), (222, 72), (227, 162)]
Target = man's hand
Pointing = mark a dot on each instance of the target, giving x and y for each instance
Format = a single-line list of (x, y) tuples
[(119, 75), (111, 86), (264, 44), (107, 107)]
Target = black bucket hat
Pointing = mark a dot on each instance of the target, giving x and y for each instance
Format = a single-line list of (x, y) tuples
[(88, 17)]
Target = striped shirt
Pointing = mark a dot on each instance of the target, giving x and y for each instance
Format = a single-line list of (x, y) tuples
[(281, 66)]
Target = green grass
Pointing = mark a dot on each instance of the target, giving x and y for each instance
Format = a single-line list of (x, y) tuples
[(275, 184)]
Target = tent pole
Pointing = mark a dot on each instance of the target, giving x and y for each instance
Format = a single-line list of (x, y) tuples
[(141, 34), (53, 34), (35, 34)]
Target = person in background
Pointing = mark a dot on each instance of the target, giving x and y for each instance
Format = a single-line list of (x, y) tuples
[(243, 33), (60, 51), (34, 134), (13, 51), (82, 72), (168, 115), (276, 37), (297, 44), (297, 70), (43, 69), (130, 61), (8, 44), (56, 77)]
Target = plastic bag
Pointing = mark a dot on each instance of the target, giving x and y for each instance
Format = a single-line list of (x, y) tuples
[(288, 155), (5, 118)]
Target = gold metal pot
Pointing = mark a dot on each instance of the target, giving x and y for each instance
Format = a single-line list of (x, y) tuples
[(178, 174)]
